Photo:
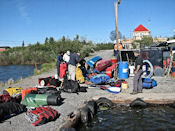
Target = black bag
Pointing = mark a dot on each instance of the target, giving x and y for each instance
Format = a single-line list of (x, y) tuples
[(48, 90), (70, 86), (9, 109)]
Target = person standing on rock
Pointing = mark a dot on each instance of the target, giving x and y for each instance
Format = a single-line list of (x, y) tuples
[(59, 60), (74, 59), (137, 82)]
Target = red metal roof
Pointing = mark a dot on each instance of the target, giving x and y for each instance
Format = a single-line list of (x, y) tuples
[(141, 28)]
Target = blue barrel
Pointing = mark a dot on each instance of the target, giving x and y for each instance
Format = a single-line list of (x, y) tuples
[(123, 70), (173, 69)]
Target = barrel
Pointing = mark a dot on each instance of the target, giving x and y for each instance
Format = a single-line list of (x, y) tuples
[(124, 85), (173, 72), (123, 70)]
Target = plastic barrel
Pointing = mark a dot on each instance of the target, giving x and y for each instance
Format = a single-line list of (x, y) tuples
[(124, 85), (123, 70), (173, 69)]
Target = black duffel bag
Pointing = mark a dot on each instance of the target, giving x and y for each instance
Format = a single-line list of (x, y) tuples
[(70, 86)]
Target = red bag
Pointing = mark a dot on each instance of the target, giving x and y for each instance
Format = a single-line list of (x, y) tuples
[(110, 70), (41, 115), (63, 68), (5, 98), (103, 64)]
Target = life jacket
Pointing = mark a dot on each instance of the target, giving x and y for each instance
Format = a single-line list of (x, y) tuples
[(115, 47), (5, 98), (27, 91), (119, 47), (41, 115), (13, 91), (79, 75)]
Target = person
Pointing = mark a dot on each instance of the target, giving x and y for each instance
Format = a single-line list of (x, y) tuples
[(115, 49), (137, 82), (74, 59), (66, 56), (59, 60)]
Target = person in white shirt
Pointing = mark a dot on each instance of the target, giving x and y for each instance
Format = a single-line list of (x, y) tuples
[(66, 57)]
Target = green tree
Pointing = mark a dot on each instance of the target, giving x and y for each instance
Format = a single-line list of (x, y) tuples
[(23, 44), (46, 40), (113, 35), (146, 41), (63, 39), (51, 40)]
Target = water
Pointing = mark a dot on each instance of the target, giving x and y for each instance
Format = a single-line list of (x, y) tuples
[(125, 118), (15, 72)]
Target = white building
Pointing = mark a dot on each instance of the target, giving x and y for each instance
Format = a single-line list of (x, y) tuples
[(139, 32)]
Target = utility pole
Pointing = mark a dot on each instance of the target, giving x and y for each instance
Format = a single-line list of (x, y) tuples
[(116, 23)]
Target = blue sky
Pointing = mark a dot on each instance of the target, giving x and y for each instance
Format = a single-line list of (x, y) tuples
[(34, 20)]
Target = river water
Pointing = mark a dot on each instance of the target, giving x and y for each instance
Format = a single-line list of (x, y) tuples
[(15, 72), (126, 118)]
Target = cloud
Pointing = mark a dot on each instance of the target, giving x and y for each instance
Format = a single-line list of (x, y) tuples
[(23, 11)]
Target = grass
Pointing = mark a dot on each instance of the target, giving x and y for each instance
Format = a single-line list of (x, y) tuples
[(45, 68)]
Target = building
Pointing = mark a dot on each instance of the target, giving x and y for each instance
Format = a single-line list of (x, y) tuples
[(139, 32), (3, 48)]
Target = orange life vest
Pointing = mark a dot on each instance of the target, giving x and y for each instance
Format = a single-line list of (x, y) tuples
[(120, 47)]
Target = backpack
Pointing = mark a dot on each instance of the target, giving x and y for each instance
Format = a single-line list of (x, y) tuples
[(49, 81), (79, 75), (70, 86)]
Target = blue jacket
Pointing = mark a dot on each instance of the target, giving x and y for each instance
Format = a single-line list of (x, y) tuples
[(74, 59), (59, 59)]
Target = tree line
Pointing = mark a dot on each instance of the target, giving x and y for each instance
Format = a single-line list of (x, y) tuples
[(46, 52)]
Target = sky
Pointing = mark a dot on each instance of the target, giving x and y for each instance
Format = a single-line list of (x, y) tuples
[(34, 20)]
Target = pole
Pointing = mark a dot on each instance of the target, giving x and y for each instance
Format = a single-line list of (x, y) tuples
[(116, 25), (116, 22)]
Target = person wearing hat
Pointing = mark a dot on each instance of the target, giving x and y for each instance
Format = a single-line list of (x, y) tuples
[(74, 60), (66, 56), (137, 82)]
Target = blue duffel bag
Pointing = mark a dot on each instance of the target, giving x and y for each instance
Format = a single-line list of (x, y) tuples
[(148, 83), (100, 79)]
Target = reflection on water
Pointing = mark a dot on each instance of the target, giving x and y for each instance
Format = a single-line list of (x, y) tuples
[(15, 72), (125, 118)]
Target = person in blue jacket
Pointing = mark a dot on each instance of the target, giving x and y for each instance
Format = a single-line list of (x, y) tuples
[(59, 60), (74, 60)]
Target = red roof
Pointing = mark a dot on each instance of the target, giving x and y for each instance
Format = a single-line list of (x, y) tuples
[(141, 28)]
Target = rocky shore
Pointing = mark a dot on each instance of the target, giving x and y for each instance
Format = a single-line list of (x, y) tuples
[(164, 91)]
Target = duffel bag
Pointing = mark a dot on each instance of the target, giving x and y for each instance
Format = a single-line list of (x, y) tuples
[(148, 83), (70, 86)]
